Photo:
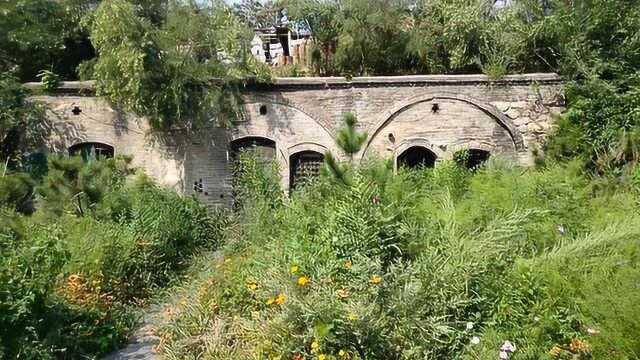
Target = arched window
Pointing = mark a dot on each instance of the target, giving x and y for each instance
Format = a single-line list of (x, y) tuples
[(416, 157), (92, 151), (264, 148), (304, 166), (471, 158)]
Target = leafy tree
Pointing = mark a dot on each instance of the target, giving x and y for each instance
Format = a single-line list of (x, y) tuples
[(20, 123), (256, 14), (43, 34), (164, 71), (323, 19)]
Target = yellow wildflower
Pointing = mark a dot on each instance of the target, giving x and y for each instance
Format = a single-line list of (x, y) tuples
[(314, 346), (280, 299), (270, 301), (251, 285), (293, 269), (555, 351), (322, 357), (348, 264), (375, 279), (352, 317), (303, 280), (342, 353)]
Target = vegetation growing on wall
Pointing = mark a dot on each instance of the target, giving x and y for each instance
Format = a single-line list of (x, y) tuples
[(165, 70)]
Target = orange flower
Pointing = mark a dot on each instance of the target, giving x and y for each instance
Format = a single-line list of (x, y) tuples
[(375, 279), (579, 346), (303, 280)]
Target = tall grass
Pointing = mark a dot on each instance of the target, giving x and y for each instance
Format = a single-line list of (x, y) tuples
[(436, 264)]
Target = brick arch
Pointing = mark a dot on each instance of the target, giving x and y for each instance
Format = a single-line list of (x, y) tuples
[(279, 151), (412, 142), (307, 146), (319, 118), (388, 116)]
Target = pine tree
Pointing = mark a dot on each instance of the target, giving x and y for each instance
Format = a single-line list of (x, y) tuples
[(350, 141)]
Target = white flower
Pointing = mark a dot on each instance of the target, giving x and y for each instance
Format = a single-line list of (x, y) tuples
[(469, 325), (592, 331), (508, 347), (561, 229), (536, 319), (475, 340), (504, 355)]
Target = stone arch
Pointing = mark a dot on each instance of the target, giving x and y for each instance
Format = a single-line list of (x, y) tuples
[(307, 146), (101, 149), (279, 153), (387, 117), (319, 118), (416, 143)]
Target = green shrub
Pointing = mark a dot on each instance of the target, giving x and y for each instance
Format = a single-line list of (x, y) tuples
[(72, 282), (16, 192)]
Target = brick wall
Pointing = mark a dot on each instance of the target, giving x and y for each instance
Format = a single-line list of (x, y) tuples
[(508, 117)]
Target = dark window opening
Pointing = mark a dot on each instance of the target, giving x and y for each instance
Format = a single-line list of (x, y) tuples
[(263, 109), (264, 148), (417, 157), (304, 167), (472, 159), (91, 151)]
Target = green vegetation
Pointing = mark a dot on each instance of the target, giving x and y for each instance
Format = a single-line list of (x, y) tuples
[(422, 264), (165, 70), (362, 263), (74, 274)]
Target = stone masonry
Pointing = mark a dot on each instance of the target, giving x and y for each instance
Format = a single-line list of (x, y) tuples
[(444, 114)]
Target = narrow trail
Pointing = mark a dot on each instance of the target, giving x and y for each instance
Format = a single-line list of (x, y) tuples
[(142, 344)]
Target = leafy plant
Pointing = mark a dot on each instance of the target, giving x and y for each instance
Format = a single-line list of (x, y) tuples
[(50, 80)]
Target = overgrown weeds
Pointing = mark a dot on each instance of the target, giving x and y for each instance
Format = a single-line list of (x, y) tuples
[(437, 263), (103, 241)]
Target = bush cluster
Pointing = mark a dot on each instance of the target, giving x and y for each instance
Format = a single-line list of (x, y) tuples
[(437, 263), (103, 240)]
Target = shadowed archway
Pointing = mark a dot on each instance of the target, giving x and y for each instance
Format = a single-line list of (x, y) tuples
[(416, 157)]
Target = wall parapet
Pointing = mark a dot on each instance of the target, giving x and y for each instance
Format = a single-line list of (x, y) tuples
[(284, 83)]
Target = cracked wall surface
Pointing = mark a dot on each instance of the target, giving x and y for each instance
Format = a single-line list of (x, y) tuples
[(510, 117)]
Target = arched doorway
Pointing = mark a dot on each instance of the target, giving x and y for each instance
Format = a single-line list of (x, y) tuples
[(92, 151), (471, 158), (304, 166), (416, 157)]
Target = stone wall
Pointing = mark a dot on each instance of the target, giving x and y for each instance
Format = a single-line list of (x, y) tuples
[(509, 117)]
